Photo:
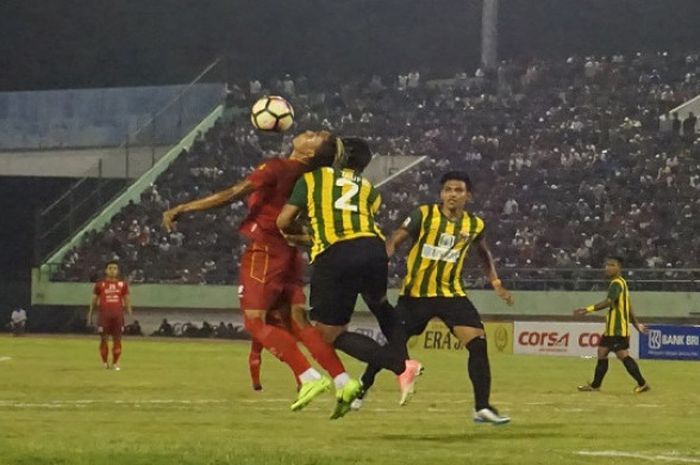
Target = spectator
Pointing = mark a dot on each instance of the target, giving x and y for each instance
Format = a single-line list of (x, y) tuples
[(689, 127), (165, 329), (18, 321), (133, 329)]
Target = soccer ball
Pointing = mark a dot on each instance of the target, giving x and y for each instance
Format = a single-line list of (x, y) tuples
[(272, 113)]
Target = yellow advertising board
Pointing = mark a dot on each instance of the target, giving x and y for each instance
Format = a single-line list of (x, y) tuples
[(438, 337)]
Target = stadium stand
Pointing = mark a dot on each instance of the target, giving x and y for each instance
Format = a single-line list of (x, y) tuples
[(571, 160)]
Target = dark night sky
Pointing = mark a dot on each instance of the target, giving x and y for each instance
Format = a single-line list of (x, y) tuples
[(92, 43)]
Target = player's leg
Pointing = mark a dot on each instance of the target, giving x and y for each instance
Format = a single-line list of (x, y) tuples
[(254, 363), (633, 369), (336, 282), (601, 367), (320, 350), (261, 287), (104, 337), (460, 315), (116, 330), (398, 324), (302, 329)]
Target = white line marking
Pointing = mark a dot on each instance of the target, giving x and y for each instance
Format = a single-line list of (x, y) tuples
[(5, 359), (634, 455), (85, 402)]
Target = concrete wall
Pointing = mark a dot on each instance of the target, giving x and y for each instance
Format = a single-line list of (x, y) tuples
[(78, 163), (210, 297)]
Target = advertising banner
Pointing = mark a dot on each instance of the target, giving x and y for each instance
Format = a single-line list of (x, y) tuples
[(563, 339), (671, 342), (437, 336)]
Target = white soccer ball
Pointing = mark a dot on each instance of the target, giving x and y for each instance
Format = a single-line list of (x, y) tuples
[(272, 113)]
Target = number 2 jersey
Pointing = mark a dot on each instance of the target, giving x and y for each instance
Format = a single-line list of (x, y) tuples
[(440, 245), (340, 204)]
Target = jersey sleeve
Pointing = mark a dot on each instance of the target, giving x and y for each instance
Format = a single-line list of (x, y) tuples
[(263, 175), (412, 223), (481, 231), (614, 290), (375, 201), (96, 288), (299, 193), (125, 289)]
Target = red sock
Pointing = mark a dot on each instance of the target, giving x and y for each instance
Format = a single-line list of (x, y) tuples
[(254, 361), (116, 350), (104, 350), (280, 343), (322, 352)]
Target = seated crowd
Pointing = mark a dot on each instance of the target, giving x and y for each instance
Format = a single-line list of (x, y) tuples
[(571, 160)]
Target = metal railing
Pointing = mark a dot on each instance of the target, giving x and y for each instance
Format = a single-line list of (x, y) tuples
[(56, 223), (587, 279)]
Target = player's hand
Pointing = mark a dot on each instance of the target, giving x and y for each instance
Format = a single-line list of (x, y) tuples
[(169, 217), (642, 329), (503, 293), (297, 239), (580, 311)]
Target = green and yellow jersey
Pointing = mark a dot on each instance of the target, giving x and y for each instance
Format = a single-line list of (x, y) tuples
[(618, 318), (440, 246), (340, 205)]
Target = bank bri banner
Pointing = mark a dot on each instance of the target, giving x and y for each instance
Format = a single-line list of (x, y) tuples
[(670, 342)]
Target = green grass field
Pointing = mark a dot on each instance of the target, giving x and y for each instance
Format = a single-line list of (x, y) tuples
[(180, 402)]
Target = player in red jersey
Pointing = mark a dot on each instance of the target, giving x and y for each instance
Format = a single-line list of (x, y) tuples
[(110, 296), (271, 268)]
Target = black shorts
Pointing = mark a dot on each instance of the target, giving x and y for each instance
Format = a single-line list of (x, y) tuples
[(344, 271), (416, 312), (615, 343)]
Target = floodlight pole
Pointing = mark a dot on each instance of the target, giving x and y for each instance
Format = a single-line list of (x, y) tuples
[(489, 34)]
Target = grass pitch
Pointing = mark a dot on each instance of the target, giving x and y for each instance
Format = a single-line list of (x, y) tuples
[(180, 402)]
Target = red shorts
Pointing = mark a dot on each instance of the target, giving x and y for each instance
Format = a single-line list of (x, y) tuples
[(111, 323), (271, 275)]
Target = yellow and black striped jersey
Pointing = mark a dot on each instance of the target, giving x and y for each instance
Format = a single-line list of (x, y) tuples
[(340, 204), (440, 245), (617, 319)]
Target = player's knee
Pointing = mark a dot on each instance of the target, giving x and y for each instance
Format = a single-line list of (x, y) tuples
[(477, 346)]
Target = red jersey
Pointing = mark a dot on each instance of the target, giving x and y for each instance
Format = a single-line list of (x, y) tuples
[(111, 294), (273, 181)]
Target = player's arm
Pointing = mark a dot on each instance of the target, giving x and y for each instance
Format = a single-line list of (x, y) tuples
[(489, 266), (93, 305), (409, 229), (236, 192), (613, 293), (636, 323), (127, 304), (287, 220)]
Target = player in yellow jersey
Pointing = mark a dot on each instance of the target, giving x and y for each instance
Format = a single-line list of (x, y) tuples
[(616, 337), (442, 233), (349, 257)]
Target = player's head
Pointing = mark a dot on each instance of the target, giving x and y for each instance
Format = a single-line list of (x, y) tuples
[(316, 148), (613, 266), (455, 190), (355, 154), (112, 269)]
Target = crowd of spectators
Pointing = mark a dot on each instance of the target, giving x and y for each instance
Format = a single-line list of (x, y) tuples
[(206, 330), (571, 160)]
